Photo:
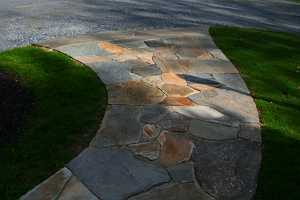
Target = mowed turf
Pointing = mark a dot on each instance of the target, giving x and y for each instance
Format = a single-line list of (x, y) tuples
[(68, 101), (269, 62)]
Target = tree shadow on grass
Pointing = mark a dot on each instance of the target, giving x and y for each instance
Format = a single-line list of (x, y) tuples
[(279, 177)]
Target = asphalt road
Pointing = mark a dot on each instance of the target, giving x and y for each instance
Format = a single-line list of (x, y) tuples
[(27, 21)]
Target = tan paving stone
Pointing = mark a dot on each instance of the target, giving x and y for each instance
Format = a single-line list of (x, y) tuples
[(172, 78), (92, 59), (135, 93), (149, 150), (174, 149), (177, 101), (177, 90)]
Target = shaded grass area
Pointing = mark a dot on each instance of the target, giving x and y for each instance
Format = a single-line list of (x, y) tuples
[(68, 103), (269, 62)]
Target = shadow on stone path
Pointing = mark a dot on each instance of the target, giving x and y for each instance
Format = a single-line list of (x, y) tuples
[(180, 124)]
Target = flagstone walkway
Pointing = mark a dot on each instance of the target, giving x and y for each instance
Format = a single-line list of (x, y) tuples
[(180, 122)]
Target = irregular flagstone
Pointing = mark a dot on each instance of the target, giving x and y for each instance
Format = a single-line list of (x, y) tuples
[(75, 190), (83, 49), (175, 122), (134, 93), (120, 126), (239, 106), (114, 72), (150, 132), (177, 101), (213, 131), (251, 131), (203, 88), (114, 174), (212, 66), (217, 53), (232, 82), (176, 90), (50, 188), (172, 78), (153, 80), (174, 149), (149, 150), (174, 192), (187, 53), (153, 113), (145, 70), (227, 170), (204, 113), (182, 173), (171, 66)]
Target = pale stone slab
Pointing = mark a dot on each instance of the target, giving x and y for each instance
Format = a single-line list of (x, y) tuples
[(177, 90), (114, 72), (227, 170), (186, 191), (232, 82), (234, 104), (120, 126), (83, 49), (213, 131), (114, 174), (50, 188), (75, 190)]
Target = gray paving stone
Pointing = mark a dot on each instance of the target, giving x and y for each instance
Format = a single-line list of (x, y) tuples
[(174, 192), (207, 79), (114, 174), (114, 72), (174, 122), (213, 131), (232, 82), (75, 190), (50, 188), (227, 170), (211, 66), (145, 70), (120, 126), (182, 173), (153, 113), (231, 103), (83, 49), (251, 132)]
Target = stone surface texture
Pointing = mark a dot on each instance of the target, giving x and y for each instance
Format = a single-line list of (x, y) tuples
[(180, 121)]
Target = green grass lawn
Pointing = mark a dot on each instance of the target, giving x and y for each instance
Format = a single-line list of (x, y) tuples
[(69, 101), (269, 62)]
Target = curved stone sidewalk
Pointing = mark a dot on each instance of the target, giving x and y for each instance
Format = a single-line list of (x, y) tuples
[(180, 123)]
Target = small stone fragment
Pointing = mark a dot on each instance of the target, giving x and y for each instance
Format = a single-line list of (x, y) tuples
[(150, 131), (149, 150)]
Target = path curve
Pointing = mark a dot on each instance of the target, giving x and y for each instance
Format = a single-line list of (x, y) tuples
[(180, 124)]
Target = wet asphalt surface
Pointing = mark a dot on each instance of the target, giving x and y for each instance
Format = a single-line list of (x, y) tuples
[(28, 21)]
